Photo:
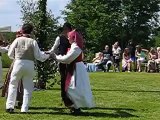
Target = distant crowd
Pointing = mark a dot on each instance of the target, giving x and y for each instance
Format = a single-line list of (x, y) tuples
[(132, 58)]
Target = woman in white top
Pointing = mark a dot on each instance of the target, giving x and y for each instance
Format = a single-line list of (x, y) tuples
[(116, 50), (77, 85), (140, 54)]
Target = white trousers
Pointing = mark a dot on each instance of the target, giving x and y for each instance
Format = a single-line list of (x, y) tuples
[(1, 80), (22, 69)]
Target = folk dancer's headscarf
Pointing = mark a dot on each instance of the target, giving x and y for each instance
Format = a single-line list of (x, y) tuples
[(77, 38)]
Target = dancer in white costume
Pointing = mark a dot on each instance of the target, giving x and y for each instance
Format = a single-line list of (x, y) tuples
[(24, 51), (77, 84)]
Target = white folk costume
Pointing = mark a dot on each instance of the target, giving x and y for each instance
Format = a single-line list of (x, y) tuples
[(77, 85), (24, 51), (2, 50)]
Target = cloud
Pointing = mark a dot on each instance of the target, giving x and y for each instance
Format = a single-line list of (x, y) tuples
[(2, 3), (10, 11)]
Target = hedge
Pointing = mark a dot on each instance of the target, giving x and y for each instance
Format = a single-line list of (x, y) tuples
[(6, 61)]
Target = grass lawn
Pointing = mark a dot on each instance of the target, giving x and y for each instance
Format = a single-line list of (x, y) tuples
[(118, 96)]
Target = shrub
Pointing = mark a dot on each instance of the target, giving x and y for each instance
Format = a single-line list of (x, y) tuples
[(6, 61)]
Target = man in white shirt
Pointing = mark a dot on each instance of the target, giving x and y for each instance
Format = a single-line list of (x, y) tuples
[(24, 50)]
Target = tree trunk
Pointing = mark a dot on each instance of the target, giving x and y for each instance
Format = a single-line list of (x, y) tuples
[(42, 37)]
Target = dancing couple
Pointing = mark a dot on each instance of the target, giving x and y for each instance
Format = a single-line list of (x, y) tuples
[(75, 87)]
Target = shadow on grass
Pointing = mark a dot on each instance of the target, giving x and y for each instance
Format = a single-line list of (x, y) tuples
[(115, 109), (126, 90), (153, 91), (118, 112)]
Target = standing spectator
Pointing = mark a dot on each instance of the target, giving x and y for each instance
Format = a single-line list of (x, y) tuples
[(126, 60), (132, 50), (116, 50)]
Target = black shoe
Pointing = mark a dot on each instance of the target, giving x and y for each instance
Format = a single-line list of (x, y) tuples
[(10, 110), (19, 105), (76, 111)]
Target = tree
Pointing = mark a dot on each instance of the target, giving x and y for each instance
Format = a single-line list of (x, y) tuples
[(106, 21), (96, 20), (141, 18), (45, 30)]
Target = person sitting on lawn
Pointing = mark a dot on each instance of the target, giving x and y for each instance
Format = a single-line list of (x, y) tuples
[(152, 55), (92, 67), (100, 61), (126, 60), (141, 56)]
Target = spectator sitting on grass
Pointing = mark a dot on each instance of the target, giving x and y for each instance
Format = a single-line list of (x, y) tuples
[(92, 67)]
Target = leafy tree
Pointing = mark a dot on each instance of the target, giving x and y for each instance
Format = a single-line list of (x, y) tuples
[(106, 21), (141, 18), (9, 36), (157, 38), (96, 20)]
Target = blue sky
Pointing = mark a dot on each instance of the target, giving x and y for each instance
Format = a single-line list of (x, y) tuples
[(10, 12)]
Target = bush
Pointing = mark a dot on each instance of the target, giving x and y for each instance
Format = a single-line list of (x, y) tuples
[(6, 61), (88, 56)]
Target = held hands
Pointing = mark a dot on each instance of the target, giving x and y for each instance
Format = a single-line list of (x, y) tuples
[(52, 55), (47, 52)]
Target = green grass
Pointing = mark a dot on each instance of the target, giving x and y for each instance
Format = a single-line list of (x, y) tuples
[(118, 96)]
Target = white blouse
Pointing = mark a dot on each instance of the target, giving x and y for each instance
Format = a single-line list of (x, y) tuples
[(71, 55)]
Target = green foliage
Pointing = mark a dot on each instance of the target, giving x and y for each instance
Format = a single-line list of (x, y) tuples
[(141, 18), (88, 56), (9, 36), (106, 21), (6, 61), (157, 39)]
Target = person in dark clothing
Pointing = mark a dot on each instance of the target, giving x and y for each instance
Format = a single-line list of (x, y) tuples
[(132, 50), (60, 47), (107, 59)]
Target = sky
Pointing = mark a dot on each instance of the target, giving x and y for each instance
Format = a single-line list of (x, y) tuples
[(10, 12)]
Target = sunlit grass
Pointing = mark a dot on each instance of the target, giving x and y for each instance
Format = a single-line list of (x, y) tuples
[(118, 96)]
